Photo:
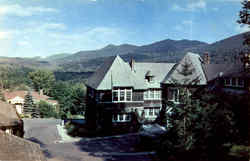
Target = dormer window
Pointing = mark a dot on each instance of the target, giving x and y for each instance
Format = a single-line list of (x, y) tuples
[(149, 76)]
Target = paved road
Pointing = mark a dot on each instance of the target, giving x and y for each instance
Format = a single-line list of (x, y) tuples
[(44, 132)]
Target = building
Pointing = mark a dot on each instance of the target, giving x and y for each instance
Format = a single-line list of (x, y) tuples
[(118, 88), (16, 98), (10, 122)]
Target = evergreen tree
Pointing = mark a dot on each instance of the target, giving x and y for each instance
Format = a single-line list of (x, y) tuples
[(28, 106), (245, 19), (203, 122)]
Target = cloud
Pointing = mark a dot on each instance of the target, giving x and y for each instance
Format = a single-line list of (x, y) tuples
[(190, 7), (18, 10), (53, 26)]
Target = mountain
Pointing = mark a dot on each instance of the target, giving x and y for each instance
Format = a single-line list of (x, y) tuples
[(89, 60), (56, 56), (226, 50), (109, 50)]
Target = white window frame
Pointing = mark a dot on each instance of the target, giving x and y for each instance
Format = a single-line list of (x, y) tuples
[(236, 82), (230, 82), (173, 95), (156, 94), (121, 117), (153, 110), (125, 95), (243, 82)]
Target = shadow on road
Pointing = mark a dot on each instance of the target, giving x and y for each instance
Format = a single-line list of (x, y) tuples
[(114, 148), (42, 145)]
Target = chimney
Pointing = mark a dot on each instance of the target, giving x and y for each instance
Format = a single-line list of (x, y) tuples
[(206, 58), (132, 64)]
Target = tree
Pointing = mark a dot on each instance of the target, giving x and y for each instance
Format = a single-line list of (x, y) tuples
[(47, 110), (42, 80), (245, 19), (71, 97), (28, 106), (203, 122)]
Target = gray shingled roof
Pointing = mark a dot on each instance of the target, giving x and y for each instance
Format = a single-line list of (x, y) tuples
[(115, 73), (158, 70), (195, 62)]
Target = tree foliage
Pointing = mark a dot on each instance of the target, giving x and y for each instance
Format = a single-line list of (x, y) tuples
[(203, 122), (71, 97), (42, 80), (28, 103), (47, 110), (244, 16)]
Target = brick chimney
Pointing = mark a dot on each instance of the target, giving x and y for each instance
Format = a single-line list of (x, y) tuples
[(132, 64), (206, 58)]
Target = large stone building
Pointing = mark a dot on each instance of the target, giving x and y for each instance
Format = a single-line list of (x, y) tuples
[(118, 88)]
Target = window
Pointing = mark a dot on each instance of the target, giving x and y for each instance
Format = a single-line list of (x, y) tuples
[(156, 111), (129, 94), (227, 81), (115, 95), (173, 94), (152, 94), (121, 117), (240, 82), (122, 95), (127, 117), (151, 111), (157, 94), (145, 95), (233, 81), (115, 117)]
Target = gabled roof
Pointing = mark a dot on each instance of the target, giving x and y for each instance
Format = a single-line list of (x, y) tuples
[(195, 62), (21, 95), (114, 73), (213, 71)]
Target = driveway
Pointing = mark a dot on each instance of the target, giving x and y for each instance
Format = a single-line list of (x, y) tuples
[(45, 133)]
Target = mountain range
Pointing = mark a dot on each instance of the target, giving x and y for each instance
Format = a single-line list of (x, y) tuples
[(224, 51)]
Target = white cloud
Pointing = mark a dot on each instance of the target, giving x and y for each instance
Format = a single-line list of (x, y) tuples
[(53, 26), (191, 6), (18, 10)]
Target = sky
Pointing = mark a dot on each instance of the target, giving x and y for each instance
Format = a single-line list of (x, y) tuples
[(30, 28)]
